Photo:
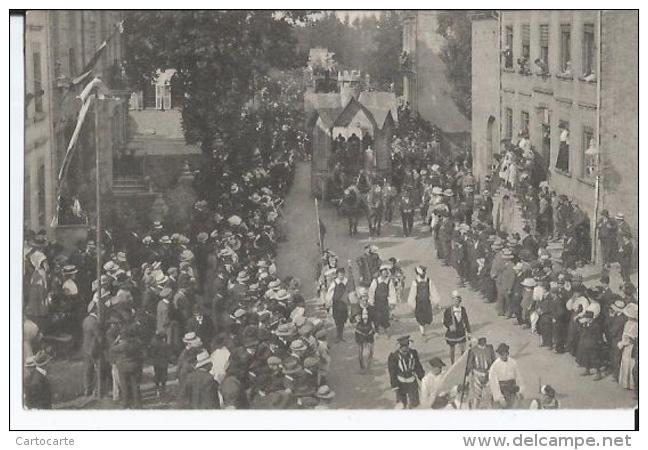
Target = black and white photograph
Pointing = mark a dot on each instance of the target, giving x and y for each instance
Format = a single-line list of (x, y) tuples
[(329, 210)]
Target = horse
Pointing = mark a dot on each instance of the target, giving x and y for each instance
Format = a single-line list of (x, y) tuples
[(353, 206)]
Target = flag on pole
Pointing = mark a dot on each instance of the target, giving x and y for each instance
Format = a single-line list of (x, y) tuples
[(73, 140), (456, 375)]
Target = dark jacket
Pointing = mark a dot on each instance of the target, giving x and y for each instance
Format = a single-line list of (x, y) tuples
[(38, 393), (200, 391)]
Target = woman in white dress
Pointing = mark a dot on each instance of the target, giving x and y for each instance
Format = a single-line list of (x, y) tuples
[(630, 335)]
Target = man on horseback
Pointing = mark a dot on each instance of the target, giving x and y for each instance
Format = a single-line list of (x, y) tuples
[(353, 206)]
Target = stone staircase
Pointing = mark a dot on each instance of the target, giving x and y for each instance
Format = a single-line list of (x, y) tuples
[(130, 185)]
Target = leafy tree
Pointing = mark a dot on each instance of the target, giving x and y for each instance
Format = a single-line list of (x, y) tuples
[(219, 57), (455, 27)]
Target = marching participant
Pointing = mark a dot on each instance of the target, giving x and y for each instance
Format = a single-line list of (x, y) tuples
[(382, 294), (422, 295), (505, 380), (404, 372), (338, 298)]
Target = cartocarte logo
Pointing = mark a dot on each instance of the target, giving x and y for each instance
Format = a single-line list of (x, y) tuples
[(36, 441)]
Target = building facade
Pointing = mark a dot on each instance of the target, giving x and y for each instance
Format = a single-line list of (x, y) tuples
[(570, 80), (62, 54), (485, 123), (425, 86)]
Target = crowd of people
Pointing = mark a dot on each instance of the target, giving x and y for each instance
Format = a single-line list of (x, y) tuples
[(204, 300), (518, 270)]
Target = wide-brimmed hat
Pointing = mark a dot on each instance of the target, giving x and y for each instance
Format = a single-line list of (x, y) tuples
[(507, 254), (529, 282), (165, 240), (186, 255), (242, 276), (234, 221), (282, 295), (70, 269), (189, 337), (291, 365), (618, 306), (286, 330), (110, 266), (298, 345), (619, 216), (274, 284), (403, 340), (147, 240), (436, 190), (202, 359), (157, 225), (448, 193), (631, 311), (38, 360), (121, 256), (455, 294), (385, 267), (325, 392)]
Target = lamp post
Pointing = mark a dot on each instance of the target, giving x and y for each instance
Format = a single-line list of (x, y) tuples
[(593, 151)]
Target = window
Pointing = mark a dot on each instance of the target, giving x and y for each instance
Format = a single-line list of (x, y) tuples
[(589, 50), (589, 160), (508, 121), (565, 49), (524, 121), (38, 82), (562, 161), (543, 64), (72, 65), (508, 51), (526, 41), (41, 194)]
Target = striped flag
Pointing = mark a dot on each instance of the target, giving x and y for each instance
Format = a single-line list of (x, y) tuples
[(73, 140)]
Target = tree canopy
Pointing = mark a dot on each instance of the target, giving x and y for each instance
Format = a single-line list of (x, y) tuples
[(455, 27), (219, 58), (371, 43)]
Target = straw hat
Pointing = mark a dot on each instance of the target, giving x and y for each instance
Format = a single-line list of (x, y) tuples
[(631, 311)]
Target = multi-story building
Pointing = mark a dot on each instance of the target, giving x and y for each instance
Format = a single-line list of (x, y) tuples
[(425, 86), (569, 79), (63, 52)]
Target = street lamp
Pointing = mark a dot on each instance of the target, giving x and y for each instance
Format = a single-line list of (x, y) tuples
[(593, 151)]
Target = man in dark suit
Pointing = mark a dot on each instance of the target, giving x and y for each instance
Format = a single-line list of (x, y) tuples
[(202, 325), (91, 347), (404, 368), (200, 391)]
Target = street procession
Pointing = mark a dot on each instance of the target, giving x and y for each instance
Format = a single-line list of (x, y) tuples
[(300, 217)]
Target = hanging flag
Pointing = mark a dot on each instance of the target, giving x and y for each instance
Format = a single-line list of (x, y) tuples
[(456, 375), (73, 140), (93, 61)]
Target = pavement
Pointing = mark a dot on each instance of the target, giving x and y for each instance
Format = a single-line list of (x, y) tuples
[(355, 390)]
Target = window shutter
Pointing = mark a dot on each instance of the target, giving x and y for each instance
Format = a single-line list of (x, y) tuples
[(526, 34), (544, 35)]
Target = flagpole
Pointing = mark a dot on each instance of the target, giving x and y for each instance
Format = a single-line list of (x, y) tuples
[(319, 230), (98, 238)]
